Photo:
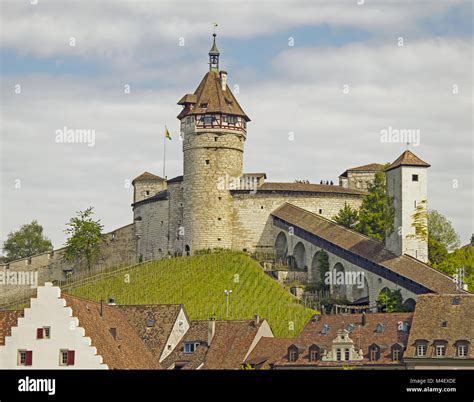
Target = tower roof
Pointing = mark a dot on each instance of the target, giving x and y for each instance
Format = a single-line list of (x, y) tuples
[(147, 176), (407, 158), (209, 97), (214, 50)]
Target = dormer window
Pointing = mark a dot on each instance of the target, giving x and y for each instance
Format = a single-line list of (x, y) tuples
[(379, 328), (293, 353), (374, 353), (462, 349), (314, 353), (440, 349), (203, 105), (396, 353), (421, 348), (350, 327), (190, 347), (325, 329)]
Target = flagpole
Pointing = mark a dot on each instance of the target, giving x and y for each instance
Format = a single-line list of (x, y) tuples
[(164, 155)]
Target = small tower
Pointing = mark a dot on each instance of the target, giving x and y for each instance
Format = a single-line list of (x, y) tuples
[(406, 181), (214, 129), (147, 185)]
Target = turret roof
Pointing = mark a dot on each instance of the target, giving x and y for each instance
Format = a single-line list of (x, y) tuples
[(407, 158)]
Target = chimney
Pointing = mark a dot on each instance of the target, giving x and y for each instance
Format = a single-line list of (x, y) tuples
[(364, 319), (211, 330), (224, 80), (256, 320)]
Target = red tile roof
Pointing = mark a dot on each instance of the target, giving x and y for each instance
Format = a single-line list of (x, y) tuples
[(8, 319), (407, 158), (268, 351)]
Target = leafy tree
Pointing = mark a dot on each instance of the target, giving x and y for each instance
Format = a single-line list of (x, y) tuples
[(25, 242), (376, 213), (420, 222), (85, 236), (436, 251), (442, 230), (323, 264), (460, 258), (347, 216), (390, 301)]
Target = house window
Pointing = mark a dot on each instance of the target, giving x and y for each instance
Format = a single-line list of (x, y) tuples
[(440, 350), (462, 350), (66, 357), (347, 355), (396, 354), (292, 355), (373, 354), (421, 350), (314, 354), (25, 357), (414, 177), (190, 347), (43, 333), (338, 355)]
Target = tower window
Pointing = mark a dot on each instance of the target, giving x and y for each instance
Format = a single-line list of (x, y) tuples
[(147, 192), (215, 139), (219, 219), (219, 198), (218, 239), (414, 177), (207, 161), (320, 211)]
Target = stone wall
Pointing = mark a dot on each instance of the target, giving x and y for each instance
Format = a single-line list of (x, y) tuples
[(118, 249), (147, 188), (357, 180), (252, 224)]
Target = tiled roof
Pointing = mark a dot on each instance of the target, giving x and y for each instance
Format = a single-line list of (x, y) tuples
[(8, 319), (152, 322), (304, 188), (432, 311), (407, 158), (231, 342), (197, 332), (366, 247), (210, 93), (268, 351), (371, 167), (362, 335), (147, 176), (175, 179), (159, 196), (126, 350)]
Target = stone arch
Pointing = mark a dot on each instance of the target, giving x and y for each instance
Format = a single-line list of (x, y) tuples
[(281, 248), (409, 304), (299, 252), (361, 293), (338, 289)]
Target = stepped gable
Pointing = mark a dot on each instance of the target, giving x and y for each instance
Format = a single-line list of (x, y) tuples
[(365, 247), (152, 322), (456, 310), (115, 339)]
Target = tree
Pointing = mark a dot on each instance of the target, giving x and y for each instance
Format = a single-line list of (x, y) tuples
[(460, 258), (436, 251), (442, 230), (376, 213), (347, 216), (25, 242), (85, 236), (390, 301), (420, 222), (323, 263)]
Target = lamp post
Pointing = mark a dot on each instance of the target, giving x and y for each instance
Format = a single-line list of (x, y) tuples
[(227, 296)]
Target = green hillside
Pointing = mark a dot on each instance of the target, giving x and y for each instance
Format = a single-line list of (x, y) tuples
[(198, 283)]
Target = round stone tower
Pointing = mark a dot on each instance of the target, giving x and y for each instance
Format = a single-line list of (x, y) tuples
[(213, 129)]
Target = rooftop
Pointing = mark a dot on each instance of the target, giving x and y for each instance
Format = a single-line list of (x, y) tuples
[(407, 158)]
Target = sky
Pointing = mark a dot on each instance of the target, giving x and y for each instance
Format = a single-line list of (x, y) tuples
[(320, 80)]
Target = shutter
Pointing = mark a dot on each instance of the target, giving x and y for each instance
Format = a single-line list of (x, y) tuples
[(39, 333), (29, 358), (70, 357)]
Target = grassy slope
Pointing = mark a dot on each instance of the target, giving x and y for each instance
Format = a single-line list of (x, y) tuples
[(199, 283)]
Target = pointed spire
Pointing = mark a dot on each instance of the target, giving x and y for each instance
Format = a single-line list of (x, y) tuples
[(214, 55)]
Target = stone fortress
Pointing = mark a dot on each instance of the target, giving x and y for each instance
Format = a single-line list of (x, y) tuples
[(215, 205)]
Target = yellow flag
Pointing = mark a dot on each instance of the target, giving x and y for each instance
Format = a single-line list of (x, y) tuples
[(167, 133)]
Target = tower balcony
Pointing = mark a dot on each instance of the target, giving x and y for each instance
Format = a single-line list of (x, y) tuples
[(214, 121)]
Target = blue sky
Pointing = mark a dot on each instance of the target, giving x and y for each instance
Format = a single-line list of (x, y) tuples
[(283, 89)]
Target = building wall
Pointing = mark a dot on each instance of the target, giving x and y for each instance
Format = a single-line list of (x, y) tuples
[(405, 193), (140, 189), (118, 249), (359, 180), (49, 310), (180, 328), (176, 224), (207, 200), (252, 224)]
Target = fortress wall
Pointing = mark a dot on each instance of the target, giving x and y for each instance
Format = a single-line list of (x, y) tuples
[(152, 229), (118, 249), (176, 225), (253, 228)]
